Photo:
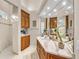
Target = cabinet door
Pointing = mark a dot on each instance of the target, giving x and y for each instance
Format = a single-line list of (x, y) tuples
[(25, 42), (27, 22), (23, 39), (22, 21)]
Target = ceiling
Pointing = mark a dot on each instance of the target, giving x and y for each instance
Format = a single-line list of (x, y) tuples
[(57, 8), (32, 5), (48, 8)]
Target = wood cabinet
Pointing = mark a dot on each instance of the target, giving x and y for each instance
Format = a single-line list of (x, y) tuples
[(45, 55), (25, 19), (52, 56), (25, 42), (53, 22), (41, 52)]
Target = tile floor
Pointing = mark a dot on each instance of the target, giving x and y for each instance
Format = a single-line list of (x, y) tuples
[(29, 53)]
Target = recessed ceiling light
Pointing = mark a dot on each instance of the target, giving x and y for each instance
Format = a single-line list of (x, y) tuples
[(49, 14), (64, 3), (60, 21), (48, 8), (69, 7), (30, 8), (54, 10)]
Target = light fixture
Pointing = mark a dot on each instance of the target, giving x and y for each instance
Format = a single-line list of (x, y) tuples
[(69, 7), (6, 17), (64, 3), (55, 10), (48, 8), (30, 8), (49, 14), (14, 17), (60, 21)]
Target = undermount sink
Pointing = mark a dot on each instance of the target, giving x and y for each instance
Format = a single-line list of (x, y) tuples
[(49, 45), (52, 47)]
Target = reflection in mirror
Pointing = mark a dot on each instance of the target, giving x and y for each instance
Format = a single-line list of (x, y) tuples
[(59, 24)]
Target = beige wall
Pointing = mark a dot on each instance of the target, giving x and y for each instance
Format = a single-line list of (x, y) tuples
[(34, 31), (5, 7), (15, 2), (76, 28)]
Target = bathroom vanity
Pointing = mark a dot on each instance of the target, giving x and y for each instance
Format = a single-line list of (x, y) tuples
[(48, 49)]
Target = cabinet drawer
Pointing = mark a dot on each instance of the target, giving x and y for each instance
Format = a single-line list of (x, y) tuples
[(23, 39)]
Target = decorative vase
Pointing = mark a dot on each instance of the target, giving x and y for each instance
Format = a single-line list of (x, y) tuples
[(61, 45)]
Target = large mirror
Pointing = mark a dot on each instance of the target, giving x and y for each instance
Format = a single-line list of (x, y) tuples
[(57, 21)]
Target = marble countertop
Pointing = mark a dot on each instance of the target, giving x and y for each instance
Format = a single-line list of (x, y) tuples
[(51, 47), (25, 34)]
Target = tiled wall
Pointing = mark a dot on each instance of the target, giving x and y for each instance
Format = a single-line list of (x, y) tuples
[(5, 36)]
